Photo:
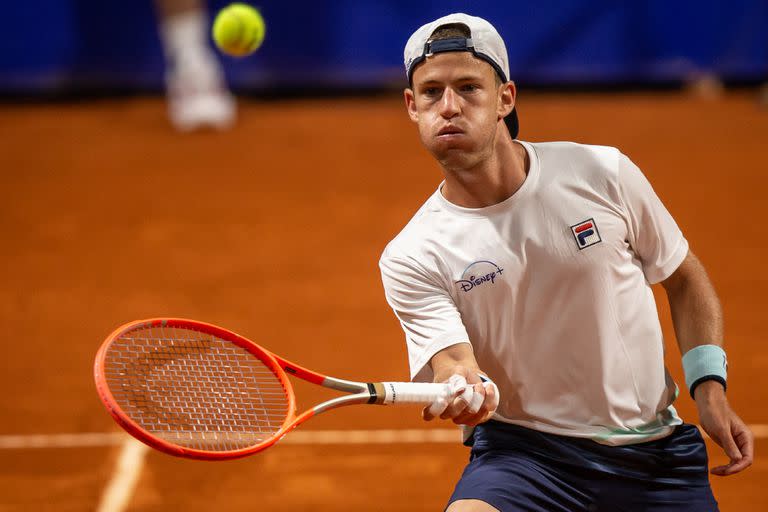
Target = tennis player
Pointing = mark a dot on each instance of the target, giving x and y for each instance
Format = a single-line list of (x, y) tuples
[(525, 280)]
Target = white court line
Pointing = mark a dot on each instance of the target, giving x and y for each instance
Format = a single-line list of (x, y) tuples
[(118, 492), (96, 439), (391, 436), (130, 462), (81, 440)]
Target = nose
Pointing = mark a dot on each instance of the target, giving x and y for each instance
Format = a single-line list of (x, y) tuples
[(449, 104)]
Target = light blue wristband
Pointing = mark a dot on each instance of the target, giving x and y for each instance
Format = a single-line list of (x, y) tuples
[(703, 363)]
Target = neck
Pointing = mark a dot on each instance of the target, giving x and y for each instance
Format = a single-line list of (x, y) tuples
[(490, 181)]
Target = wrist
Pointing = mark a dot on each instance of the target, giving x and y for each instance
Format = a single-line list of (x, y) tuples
[(703, 364), (708, 391)]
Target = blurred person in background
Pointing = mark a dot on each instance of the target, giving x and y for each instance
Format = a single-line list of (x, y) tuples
[(763, 95), (197, 94)]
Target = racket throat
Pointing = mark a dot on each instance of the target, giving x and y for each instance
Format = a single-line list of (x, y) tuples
[(358, 398), (378, 393)]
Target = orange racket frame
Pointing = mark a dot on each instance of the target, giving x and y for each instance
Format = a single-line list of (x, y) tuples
[(380, 393)]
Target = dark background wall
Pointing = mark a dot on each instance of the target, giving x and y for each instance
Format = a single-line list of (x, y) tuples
[(58, 45)]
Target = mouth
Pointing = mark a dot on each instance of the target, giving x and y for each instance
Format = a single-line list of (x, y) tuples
[(449, 130)]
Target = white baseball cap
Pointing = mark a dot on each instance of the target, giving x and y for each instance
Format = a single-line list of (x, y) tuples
[(484, 43)]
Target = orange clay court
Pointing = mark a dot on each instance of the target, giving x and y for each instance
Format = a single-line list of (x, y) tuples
[(274, 230)]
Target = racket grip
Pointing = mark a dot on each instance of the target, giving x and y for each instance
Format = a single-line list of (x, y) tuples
[(413, 392)]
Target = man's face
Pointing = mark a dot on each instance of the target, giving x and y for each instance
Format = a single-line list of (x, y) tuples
[(457, 103)]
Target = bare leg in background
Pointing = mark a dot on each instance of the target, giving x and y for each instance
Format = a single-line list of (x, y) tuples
[(197, 93)]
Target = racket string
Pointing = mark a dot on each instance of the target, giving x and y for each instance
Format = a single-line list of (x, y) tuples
[(194, 389)]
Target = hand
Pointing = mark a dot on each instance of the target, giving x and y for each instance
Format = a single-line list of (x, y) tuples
[(724, 427), (471, 402)]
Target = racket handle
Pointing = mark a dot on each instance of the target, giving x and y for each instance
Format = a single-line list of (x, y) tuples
[(410, 392)]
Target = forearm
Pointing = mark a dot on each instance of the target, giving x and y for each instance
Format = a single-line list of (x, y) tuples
[(696, 312)]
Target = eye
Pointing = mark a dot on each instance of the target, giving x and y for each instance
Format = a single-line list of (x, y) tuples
[(431, 91), (469, 88)]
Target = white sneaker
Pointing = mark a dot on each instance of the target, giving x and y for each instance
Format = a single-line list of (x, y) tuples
[(197, 95)]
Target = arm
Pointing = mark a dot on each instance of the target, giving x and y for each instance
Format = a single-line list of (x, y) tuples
[(698, 320), (437, 341), (460, 360)]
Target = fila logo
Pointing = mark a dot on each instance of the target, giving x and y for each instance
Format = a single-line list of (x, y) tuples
[(586, 233)]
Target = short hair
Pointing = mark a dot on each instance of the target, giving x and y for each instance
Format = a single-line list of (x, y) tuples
[(450, 31), (453, 30)]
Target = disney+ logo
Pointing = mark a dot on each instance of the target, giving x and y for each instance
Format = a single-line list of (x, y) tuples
[(482, 272)]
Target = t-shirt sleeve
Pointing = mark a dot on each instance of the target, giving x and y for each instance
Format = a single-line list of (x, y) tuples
[(426, 312), (653, 233)]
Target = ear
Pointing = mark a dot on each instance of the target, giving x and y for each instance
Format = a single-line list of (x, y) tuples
[(410, 104), (507, 98)]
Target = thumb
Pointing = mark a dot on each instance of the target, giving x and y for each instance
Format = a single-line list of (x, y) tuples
[(729, 445)]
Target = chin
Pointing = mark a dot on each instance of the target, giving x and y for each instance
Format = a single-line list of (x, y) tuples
[(456, 158)]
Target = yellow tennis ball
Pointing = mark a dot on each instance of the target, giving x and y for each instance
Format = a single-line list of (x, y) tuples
[(239, 29)]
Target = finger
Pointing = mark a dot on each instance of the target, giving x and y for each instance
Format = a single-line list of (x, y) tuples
[(741, 465), (477, 400), (457, 383), (722, 436), (472, 416), (465, 418), (459, 404), (491, 396), (732, 468), (744, 439), (457, 400), (472, 419), (435, 409), (468, 420), (730, 447), (468, 395), (455, 408), (724, 439)]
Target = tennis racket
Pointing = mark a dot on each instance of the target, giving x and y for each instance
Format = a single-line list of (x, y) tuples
[(199, 391)]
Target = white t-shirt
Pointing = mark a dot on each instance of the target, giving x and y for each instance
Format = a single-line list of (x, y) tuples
[(552, 289)]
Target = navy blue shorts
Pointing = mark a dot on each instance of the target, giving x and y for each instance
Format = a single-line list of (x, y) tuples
[(518, 469)]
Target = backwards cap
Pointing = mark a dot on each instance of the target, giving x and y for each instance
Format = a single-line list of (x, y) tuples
[(484, 43)]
